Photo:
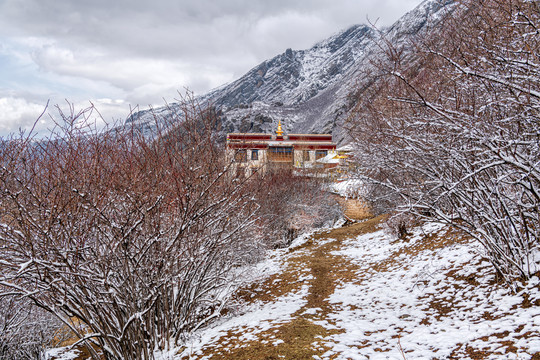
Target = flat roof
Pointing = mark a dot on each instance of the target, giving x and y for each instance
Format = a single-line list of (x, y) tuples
[(293, 143), (274, 134), (265, 134)]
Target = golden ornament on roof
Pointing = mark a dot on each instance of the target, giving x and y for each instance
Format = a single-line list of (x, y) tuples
[(279, 131)]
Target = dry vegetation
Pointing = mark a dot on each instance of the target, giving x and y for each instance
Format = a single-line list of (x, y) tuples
[(137, 238), (303, 336), (299, 336), (448, 128)]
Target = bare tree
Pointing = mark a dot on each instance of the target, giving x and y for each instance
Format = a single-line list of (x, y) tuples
[(291, 205), (450, 130), (134, 238)]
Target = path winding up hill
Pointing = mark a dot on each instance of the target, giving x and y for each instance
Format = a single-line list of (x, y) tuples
[(354, 293)]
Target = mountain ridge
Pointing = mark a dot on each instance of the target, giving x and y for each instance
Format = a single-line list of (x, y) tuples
[(308, 90)]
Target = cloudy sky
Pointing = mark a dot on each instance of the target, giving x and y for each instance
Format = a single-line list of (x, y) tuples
[(119, 54)]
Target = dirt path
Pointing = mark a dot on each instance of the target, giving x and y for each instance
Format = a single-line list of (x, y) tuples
[(301, 336)]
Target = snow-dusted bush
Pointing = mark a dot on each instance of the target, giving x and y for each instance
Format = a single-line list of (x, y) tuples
[(133, 237), (450, 128), (290, 205), (25, 330), (400, 225)]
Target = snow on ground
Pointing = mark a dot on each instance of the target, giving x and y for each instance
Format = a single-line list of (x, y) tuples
[(432, 302), (431, 297), (260, 316), (63, 353), (351, 188), (275, 260), (257, 318)]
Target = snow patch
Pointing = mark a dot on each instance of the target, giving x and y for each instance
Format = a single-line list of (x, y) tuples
[(257, 318), (63, 353)]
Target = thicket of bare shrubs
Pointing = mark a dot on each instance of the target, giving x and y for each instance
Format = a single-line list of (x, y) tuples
[(291, 205), (131, 242), (450, 128), (26, 330)]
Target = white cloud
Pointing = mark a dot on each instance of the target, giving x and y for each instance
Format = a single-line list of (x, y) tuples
[(141, 51), (17, 113)]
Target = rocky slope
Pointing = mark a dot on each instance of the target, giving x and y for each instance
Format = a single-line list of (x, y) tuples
[(312, 90)]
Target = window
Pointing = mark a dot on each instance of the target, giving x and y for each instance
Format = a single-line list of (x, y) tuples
[(280, 154), (306, 155), (319, 154), (240, 155), (255, 154)]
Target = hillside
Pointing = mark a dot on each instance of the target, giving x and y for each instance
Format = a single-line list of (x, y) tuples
[(448, 134), (356, 293)]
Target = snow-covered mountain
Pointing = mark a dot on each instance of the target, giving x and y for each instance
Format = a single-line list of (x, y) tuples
[(296, 76), (308, 90)]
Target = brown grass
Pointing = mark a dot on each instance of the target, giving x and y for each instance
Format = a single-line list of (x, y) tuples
[(297, 339), (301, 336), (274, 286), (65, 337)]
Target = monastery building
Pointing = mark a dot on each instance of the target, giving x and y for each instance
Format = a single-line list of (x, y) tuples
[(262, 151)]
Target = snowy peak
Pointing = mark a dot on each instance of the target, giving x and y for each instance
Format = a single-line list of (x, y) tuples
[(309, 90), (338, 41), (295, 76)]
